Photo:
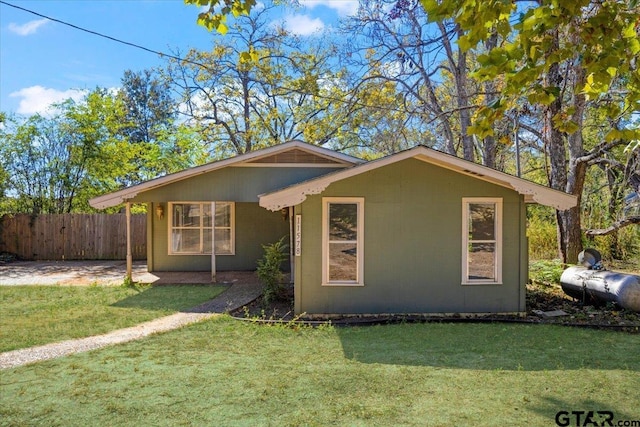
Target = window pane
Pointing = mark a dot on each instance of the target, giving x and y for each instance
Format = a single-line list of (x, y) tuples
[(223, 214), (206, 214), (206, 236), (482, 221), (343, 221), (186, 215), (223, 241), (185, 240), (343, 262), (482, 261), (178, 215)]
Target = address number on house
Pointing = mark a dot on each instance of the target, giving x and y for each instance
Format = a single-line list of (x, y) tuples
[(298, 236)]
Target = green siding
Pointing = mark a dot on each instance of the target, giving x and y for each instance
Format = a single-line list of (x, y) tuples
[(254, 226), (412, 245), (234, 184)]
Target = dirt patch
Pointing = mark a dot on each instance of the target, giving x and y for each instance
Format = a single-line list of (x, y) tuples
[(280, 309), (551, 297), (540, 297)]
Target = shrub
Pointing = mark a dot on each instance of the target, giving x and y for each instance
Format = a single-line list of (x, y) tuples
[(270, 270), (543, 238), (546, 271)]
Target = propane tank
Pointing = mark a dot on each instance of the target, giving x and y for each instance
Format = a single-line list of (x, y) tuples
[(598, 285)]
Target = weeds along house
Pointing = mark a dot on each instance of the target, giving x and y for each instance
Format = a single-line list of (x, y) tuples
[(419, 231)]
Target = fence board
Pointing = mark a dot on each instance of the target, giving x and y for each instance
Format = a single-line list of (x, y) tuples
[(72, 236)]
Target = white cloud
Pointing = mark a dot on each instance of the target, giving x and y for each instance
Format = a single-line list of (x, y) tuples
[(27, 29), (343, 7), (302, 25), (38, 99)]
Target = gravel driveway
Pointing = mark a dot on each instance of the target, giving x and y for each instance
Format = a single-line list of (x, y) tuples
[(88, 273)]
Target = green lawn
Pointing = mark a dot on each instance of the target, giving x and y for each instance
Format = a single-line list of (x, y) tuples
[(33, 315), (225, 373)]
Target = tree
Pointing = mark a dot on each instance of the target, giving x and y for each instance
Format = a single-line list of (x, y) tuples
[(149, 106), (396, 45), (564, 57), (47, 160), (259, 86), (215, 16), (156, 142)]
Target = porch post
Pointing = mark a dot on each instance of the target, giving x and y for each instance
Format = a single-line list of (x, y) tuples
[(129, 256), (213, 242)]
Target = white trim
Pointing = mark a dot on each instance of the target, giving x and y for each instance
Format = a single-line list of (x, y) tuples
[(359, 242), (532, 192), (118, 197), (232, 222), (213, 242), (466, 201), (340, 165)]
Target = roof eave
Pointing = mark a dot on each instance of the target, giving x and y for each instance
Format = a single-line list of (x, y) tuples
[(121, 196), (532, 192)]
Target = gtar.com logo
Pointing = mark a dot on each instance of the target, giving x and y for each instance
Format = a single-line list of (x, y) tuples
[(584, 418), (591, 418)]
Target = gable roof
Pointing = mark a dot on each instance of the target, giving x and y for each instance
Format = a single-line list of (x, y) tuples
[(289, 154), (533, 193)]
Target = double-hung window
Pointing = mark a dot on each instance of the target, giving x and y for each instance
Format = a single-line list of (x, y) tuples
[(192, 228), (342, 238), (481, 241)]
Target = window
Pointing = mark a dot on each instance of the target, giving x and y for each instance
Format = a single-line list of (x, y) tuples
[(191, 228), (481, 241), (342, 235)]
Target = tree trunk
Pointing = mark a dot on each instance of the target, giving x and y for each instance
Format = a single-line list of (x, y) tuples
[(577, 172), (489, 143), (554, 141), (458, 66)]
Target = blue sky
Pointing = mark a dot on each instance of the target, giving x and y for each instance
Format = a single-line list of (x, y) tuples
[(42, 61)]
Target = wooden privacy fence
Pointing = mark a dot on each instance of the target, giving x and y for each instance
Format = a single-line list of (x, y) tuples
[(73, 236)]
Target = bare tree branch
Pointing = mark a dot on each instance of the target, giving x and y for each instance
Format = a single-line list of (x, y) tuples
[(613, 227)]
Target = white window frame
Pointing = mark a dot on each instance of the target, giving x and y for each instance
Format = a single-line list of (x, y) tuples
[(359, 202), (466, 201), (232, 226)]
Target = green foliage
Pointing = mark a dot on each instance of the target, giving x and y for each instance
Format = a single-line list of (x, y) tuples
[(128, 282), (269, 87), (56, 163), (215, 17), (47, 158), (270, 270), (602, 38), (542, 233), (621, 245), (546, 272)]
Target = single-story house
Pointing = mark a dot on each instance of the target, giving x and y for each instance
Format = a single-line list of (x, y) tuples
[(418, 231)]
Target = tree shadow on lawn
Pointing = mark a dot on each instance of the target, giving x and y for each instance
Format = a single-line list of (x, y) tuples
[(170, 298), (493, 346)]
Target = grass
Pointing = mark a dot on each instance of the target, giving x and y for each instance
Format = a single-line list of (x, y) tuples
[(34, 315), (223, 372)]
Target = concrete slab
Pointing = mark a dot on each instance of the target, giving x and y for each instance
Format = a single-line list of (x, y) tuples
[(552, 313), (104, 273)]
